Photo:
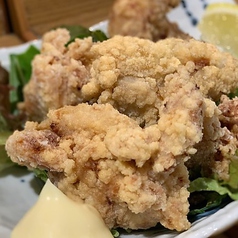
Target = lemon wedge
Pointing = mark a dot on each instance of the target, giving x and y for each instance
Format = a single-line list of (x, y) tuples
[(219, 26)]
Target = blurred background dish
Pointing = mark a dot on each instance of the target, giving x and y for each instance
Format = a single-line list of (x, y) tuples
[(25, 20)]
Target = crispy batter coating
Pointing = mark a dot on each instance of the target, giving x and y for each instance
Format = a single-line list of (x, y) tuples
[(127, 72), (131, 73), (219, 143), (229, 108), (229, 119), (143, 18), (57, 77), (135, 177), (141, 113)]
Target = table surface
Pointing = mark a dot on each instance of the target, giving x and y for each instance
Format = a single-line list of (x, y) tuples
[(12, 39), (38, 21)]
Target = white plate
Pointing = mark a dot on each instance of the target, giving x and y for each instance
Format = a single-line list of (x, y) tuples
[(19, 189)]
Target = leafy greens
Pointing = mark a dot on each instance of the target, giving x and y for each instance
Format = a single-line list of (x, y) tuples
[(20, 73), (82, 32), (212, 192)]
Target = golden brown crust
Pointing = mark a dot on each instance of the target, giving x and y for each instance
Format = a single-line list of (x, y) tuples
[(142, 110), (135, 177), (88, 72)]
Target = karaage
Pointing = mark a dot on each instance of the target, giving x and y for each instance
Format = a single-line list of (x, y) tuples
[(143, 18), (141, 114)]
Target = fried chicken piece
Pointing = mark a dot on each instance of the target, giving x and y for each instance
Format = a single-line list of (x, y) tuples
[(130, 73), (163, 110), (219, 143), (135, 177), (56, 78), (127, 72), (229, 119), (143, 18)]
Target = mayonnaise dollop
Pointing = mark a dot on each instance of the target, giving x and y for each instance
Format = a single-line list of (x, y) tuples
[(56, 216)]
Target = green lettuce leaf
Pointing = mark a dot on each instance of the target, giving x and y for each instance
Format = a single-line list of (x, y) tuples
[(3, 124), (233, 94), (207, 194), (83, 32), (233, 171), (209, 184), (41, 174), (201, 202), (115, 233), (10, 119), (20, 73), (229, 187), (5, 161)]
